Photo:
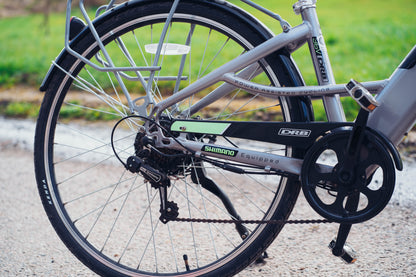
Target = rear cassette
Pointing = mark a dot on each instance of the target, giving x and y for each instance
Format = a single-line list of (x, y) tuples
[(327, 187)]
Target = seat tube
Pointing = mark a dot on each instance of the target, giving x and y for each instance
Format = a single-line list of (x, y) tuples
[(321, 61)]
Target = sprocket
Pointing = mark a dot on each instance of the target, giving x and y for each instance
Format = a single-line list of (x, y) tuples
[(327, 186), (170, 161)]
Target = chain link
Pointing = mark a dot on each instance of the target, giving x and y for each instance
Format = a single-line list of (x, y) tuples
[(221, 221)]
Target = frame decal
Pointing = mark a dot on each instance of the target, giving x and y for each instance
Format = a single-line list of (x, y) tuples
[(319, 57), (219, 150), (200, 127), (295, 132)]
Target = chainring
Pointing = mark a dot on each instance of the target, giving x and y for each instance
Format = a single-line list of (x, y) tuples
[(324, 185)]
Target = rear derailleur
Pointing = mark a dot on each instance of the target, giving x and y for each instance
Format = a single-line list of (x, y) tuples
[(158, 180)]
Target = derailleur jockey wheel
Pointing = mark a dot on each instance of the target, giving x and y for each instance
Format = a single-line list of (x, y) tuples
[(327, 185)]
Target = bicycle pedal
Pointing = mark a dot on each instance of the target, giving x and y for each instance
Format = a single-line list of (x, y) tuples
[(348, 255), (75, 27), (361, 95)]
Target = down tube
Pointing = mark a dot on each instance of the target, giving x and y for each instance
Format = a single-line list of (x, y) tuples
[(255, 54), (396, 114)]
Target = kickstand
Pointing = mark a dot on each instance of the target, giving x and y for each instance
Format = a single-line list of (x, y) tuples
[(199, 176)]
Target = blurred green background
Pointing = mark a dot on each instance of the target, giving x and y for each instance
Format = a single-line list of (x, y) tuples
[(366, 39)]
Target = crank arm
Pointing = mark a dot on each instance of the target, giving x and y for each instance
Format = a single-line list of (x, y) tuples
[(352, 150), (339, 246)]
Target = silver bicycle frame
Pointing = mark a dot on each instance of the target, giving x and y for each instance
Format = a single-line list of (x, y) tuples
[(309, 31), (394, 117), (396, 114)]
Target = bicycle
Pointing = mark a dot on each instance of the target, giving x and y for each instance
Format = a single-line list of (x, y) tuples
[(194, 169)]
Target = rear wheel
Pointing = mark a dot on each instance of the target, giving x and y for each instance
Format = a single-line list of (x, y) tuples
[(109, 217)]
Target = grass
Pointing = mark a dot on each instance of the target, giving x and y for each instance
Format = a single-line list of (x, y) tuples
[(26, 49), (366, 40), (19, 109), (31, 110)]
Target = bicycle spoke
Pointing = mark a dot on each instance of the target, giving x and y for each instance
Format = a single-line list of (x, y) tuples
[(97, 191), (117, 217)]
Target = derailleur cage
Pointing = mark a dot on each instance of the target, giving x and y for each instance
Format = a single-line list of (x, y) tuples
[(155, 177)]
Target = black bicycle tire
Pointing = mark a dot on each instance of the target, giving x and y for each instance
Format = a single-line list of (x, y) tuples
[(299, 111)]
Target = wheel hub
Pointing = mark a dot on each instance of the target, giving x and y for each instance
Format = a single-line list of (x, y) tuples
[(169, 161)]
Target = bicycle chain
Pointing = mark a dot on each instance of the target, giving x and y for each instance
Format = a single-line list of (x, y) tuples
[(221, 221)]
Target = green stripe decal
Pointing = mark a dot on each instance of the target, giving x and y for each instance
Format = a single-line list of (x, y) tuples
[(202, 127)]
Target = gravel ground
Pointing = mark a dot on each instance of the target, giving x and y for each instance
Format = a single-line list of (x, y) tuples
[(29, 246)]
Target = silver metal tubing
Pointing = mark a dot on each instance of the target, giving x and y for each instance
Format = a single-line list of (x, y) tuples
[(285, 25), (93, 31), (183, 59), (396, 114), (236, 65), (321, 62), (249, 157), (160, 44), (268, 91)]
